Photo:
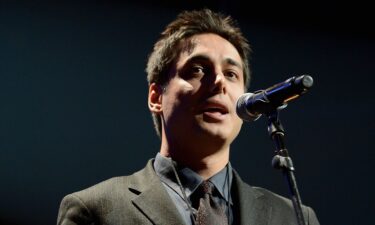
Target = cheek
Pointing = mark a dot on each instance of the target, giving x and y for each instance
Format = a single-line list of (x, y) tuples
[(240, 90), (177, 96), (234, 97), (235, 94), (185, 93), (240, 121), (238, 125)]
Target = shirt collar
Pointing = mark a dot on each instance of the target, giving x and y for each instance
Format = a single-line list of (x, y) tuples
[(190, 180), (220, 180)]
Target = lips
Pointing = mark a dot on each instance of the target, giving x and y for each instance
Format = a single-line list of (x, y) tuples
[(214, 110)]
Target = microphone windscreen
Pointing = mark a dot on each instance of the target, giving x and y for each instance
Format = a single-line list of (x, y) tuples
[(241, 108)]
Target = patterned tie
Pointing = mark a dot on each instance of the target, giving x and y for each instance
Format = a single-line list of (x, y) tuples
[(209, 212)]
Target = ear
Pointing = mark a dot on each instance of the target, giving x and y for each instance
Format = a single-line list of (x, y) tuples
[(155, 93)]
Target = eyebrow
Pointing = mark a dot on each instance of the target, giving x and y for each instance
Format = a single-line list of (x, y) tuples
[(202, 57), (233, 63)]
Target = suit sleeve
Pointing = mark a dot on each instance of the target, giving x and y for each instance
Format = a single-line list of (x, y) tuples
[(73, 211), (312, 219)]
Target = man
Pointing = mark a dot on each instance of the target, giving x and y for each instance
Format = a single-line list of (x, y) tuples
[(196, 72)]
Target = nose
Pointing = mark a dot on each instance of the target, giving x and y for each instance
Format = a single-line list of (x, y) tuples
[(219, 84)]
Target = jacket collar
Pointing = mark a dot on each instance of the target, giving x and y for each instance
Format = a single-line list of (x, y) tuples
[(152, 199)]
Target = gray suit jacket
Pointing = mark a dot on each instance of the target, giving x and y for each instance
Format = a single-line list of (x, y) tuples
[(141, 198)]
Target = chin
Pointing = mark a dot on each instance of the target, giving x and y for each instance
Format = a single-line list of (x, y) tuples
[(215, 132), (223, 132)]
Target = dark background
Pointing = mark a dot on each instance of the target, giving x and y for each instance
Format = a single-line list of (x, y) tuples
[(73, 100)]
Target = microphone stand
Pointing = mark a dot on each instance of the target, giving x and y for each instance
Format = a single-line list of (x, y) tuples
[(283, 161)]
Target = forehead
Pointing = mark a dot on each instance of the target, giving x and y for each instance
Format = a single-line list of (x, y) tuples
[(211, 45)]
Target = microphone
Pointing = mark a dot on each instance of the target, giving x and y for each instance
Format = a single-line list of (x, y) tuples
[(251, 106)]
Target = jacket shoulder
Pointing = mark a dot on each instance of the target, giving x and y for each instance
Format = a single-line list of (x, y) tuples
[(105, 199), (283, 206), (115, 186), (277, 199)]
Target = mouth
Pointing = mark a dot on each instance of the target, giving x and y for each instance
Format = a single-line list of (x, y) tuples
[(215, 111)]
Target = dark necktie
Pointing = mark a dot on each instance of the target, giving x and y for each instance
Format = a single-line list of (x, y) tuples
[(209, 212)]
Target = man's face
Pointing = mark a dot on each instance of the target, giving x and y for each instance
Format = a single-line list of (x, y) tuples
[(198, 103)]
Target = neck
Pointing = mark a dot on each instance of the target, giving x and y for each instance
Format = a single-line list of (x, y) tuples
[(205, 163)]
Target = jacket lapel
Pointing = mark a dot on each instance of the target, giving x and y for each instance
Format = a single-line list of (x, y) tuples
[(254, 208), (153, 200)]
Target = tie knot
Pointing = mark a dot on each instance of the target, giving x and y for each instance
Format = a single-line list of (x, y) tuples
[(210, 212), (207, 187)]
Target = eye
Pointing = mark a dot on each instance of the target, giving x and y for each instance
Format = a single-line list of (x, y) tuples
[(193, 71), (232, 75), (197, 69)]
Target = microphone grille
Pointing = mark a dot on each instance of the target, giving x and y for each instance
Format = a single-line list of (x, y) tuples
[(307, 81), (241, 108), (304, 81)]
